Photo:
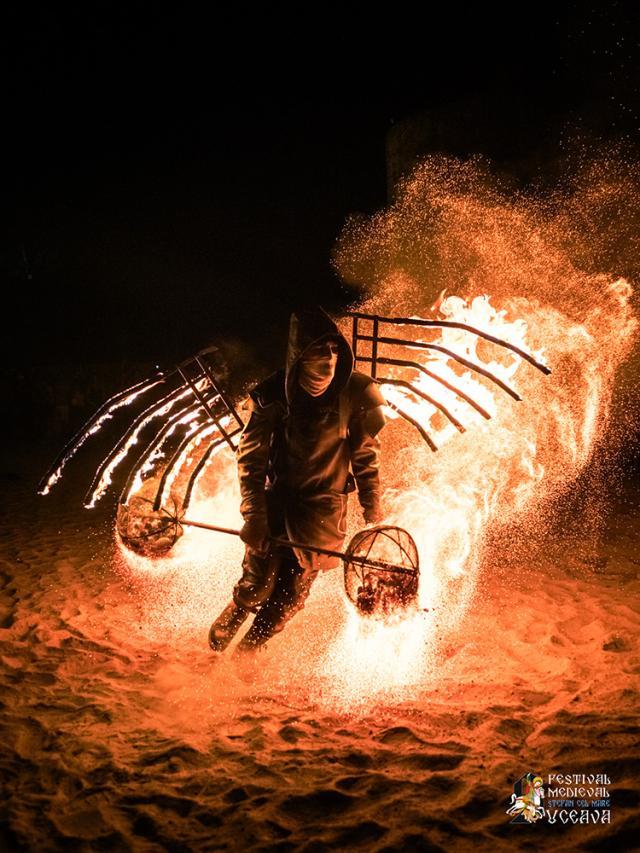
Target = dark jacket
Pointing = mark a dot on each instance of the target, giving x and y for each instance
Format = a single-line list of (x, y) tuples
[(302, 455)]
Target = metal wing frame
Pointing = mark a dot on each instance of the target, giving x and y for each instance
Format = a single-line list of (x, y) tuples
[(189, 406), (383, 332)]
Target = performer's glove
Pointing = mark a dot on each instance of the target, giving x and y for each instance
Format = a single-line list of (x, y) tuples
[(255, 533)]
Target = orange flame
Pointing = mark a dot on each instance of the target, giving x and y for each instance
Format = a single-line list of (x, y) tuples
[(508, 267)]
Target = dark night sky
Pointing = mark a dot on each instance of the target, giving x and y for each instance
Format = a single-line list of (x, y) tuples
[(174, 178)]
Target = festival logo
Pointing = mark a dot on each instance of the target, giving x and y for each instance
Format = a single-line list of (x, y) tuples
[(526, 800), (571, 798)]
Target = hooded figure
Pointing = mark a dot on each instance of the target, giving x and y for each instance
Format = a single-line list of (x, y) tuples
[(311, 438)]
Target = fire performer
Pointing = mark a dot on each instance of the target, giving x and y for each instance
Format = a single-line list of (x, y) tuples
[(311, 439)]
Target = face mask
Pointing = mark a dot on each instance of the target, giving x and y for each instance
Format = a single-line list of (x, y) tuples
[(318, 367)]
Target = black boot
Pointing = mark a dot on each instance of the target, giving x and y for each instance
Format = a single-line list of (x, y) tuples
[(253, 640), (270, 620), (226, 626)]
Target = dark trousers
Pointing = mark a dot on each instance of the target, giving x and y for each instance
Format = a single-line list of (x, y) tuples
[(290, 592), (274, 587)]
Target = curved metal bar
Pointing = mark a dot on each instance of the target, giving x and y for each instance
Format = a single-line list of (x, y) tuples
[(158, 499), (198, 470), (155, 531), (137, 424), (402, 549), (400, 362), (91, 426), (404, 384), (155, 442), (157, 503), (454, 355), (415, 423), (453, 324)]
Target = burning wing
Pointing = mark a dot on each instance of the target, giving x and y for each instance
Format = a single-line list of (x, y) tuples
[(188, 417), (433, 383)]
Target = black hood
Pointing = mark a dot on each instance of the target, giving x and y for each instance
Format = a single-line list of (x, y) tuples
[(307, 327)]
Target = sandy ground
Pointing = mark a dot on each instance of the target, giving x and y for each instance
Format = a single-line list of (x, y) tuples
[(121, 731)]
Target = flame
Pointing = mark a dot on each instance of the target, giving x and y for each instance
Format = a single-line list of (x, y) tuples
[(191, 574), (186, 458), (498, 471), (511, 270), (136, 391), (157, 410), (192, 418), (515, 279), (459, 415)]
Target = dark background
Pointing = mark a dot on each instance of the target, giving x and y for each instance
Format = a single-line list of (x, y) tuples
[(176, 179)]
